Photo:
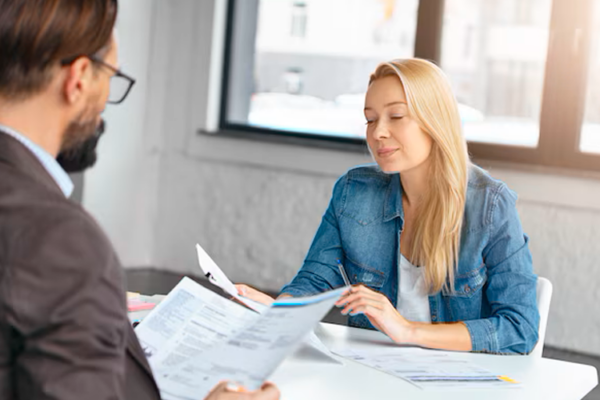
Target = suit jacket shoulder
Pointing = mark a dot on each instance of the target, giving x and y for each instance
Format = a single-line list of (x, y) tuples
[(64, 331)]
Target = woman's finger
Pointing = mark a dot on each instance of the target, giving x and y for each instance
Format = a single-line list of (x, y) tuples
[(354, 296), (355, 305), (365, 290), (369, 310), (242, 289), (253, 294)]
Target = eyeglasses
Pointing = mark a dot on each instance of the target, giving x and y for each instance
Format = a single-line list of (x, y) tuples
[(120, 83)]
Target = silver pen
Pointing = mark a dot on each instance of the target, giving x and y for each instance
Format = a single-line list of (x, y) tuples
[(343, 272)]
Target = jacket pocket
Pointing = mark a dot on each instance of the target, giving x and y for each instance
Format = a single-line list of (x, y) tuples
[(470, 284), (359, 273), (365, 199)]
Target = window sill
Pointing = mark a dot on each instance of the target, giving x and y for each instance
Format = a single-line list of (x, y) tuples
[(297, 154)]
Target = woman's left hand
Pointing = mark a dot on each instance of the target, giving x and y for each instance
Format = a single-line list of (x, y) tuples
[(381, 313)]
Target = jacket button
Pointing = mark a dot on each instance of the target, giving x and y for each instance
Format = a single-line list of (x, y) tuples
[(467, 288)]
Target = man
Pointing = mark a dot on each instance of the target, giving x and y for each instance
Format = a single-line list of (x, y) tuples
[(64, 332)]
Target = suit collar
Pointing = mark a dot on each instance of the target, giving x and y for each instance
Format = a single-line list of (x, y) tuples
[(18, 156)]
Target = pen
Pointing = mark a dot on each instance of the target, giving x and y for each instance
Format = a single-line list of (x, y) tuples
[(343, 272)]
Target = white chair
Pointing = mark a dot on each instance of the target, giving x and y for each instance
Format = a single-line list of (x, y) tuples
[(544, 295)]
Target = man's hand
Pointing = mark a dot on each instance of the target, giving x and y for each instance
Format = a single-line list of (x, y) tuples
[(221, 392)]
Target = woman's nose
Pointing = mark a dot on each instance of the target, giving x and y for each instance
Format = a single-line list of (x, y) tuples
[(381, 131)]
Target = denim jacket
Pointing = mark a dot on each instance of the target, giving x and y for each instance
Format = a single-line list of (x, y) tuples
[(495, 287)]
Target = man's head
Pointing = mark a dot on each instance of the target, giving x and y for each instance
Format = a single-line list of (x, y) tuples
[(61, 53)]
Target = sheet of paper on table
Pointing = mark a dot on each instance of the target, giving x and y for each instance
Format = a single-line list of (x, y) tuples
[(217, 277), (428, 369)]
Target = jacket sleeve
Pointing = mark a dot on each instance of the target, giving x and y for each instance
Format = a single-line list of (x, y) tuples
[(511, 286), (319, 272), (66, 306)]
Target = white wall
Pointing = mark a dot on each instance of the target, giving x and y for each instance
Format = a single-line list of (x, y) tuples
[(255, 206), (120, 190)]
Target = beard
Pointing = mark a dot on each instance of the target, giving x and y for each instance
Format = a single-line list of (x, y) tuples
[(78, 151)]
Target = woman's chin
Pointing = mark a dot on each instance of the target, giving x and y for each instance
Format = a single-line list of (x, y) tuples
[(389, 168)]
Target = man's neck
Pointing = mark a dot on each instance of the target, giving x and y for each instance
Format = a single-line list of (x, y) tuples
[(35, 120)]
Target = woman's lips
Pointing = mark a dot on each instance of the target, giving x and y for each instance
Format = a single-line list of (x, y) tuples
[(386, 152)]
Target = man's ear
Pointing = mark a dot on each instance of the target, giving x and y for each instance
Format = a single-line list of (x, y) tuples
[(77, 80)]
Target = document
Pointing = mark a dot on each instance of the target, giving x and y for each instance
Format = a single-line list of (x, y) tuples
[(428, 369), (190, 320), (217, 277), (252, 354)]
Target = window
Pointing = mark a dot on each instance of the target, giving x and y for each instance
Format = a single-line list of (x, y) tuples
[(309, 73), (590, 133), (494, 53), (299, 17), (525, 73)]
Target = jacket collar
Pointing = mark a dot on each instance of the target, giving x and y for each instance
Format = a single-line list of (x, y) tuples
[(393, 200), (15, 154)]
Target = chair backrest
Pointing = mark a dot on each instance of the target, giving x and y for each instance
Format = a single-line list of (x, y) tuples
[(544, 295)]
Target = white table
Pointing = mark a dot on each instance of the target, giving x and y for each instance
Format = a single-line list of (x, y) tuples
[(307, 378)]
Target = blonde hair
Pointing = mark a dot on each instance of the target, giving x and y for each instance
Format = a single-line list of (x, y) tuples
[(437, 229)]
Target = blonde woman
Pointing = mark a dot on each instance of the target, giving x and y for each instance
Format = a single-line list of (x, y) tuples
[(432, 245)]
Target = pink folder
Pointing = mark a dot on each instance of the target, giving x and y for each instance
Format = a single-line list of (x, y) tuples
[(138, 305)]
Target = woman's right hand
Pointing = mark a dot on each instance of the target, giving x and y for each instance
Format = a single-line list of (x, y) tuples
[(253, 294)]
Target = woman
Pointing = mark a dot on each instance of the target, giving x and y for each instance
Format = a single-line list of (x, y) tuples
[(432, 245)]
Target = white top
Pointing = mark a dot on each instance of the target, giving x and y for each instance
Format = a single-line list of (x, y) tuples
[(48, 162), (413, 299)]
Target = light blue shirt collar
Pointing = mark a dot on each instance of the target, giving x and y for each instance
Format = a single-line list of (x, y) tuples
[(49, 163)]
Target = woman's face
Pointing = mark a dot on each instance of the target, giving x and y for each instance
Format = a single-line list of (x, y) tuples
[(396, 141)]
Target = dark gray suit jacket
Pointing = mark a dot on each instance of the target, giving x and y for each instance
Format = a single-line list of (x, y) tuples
[(64, 331)]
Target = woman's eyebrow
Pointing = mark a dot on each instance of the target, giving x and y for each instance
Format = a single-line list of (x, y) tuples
[(393, 103)]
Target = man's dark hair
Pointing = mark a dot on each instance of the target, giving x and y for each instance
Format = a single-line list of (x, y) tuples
[(36, 36)]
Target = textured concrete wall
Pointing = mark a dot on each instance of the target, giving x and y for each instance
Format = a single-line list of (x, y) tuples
[(256, 223), (565, 248)]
